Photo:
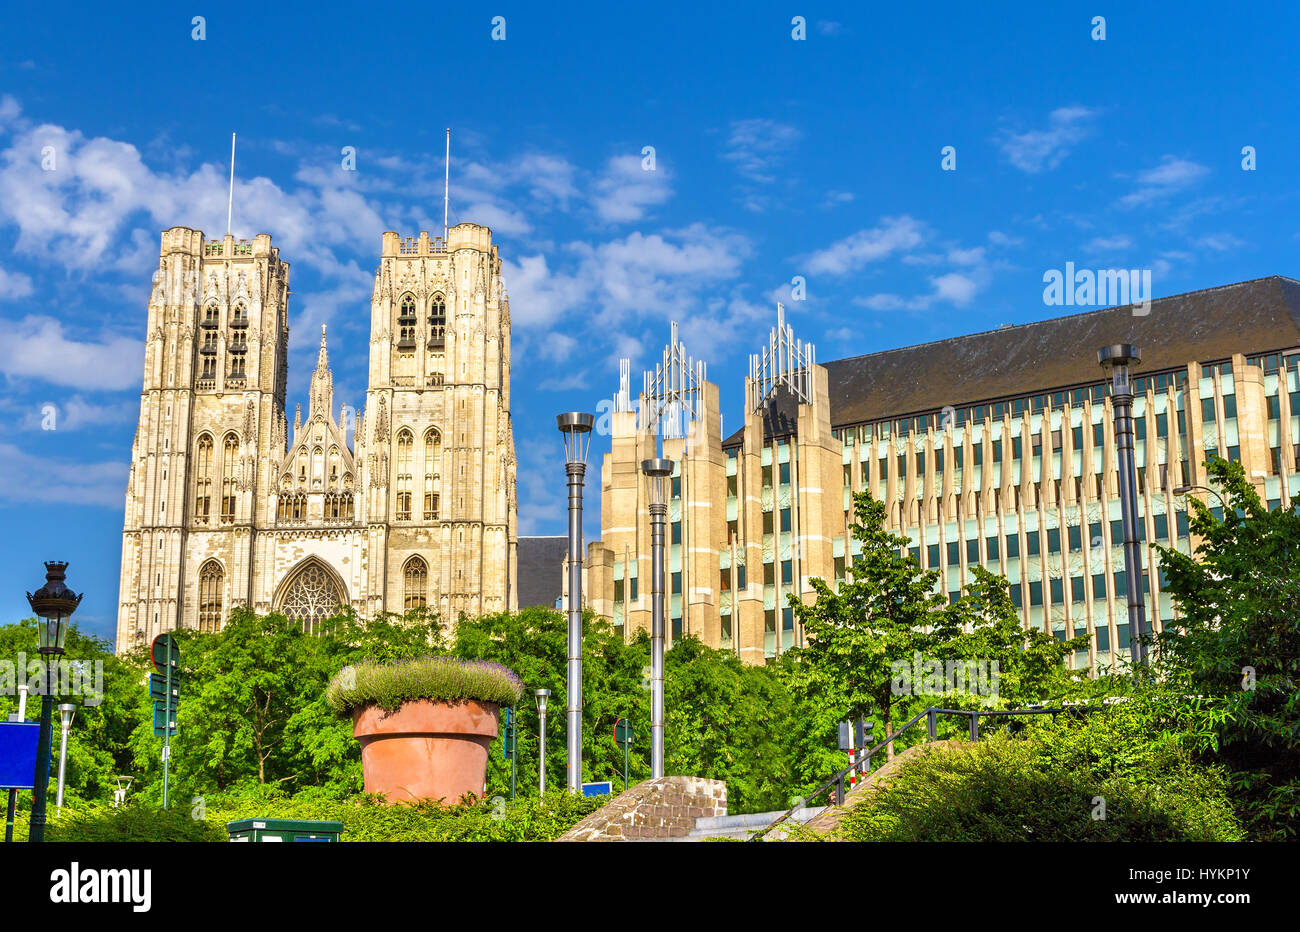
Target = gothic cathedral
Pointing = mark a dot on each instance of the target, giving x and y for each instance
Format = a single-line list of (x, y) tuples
[(225, 507)]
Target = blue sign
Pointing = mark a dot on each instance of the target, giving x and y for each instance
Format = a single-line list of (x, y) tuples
[(604, 788), (18, 754)]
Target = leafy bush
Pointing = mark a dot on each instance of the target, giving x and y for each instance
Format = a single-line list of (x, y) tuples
[(132, 822), (388, 685), (364, 818), (1048, 783)]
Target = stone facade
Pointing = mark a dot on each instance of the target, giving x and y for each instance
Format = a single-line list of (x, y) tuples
[(225, 507), (995, 449), (654, 810)]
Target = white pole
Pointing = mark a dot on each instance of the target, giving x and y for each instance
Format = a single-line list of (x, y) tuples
[(446, 187), (22, 702), (230, 204)]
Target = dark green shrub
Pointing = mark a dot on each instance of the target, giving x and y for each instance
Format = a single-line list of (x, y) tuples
[(363, 818), (1043, 787), (132, 822)]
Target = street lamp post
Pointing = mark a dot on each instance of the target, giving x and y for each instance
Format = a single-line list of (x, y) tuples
[(1118, 358), (1185, 489), (657, 473), (67, 711), (541, 695), (576, 428), (54, 603)]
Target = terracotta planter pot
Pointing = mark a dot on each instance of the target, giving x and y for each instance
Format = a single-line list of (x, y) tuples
[(426, 749)]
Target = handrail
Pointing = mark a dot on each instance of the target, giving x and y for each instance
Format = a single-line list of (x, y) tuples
[(931, 714)]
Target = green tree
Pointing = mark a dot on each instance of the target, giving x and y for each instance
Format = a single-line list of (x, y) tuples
[(728, 721), (1031, 663), (885, 611), (1238, 641), (108, 706)]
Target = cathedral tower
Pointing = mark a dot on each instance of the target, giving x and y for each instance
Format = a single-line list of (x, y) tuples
[(225, 508), (437, 449), (211, 426)]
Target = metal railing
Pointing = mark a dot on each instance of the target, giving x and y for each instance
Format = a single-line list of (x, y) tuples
[(862, 763)]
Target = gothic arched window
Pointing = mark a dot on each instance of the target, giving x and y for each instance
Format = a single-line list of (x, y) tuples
[(432, 457), (437, 321), (406, 323), (203, 480), (405, 446), (415, 584), (211, 580), (311, 595), (229, 460)]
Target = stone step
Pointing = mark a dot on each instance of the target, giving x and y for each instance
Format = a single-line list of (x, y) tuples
[(742, 826)]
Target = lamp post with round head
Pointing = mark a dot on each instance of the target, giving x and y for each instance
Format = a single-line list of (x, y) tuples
[(1118, 358), (541, 695), (658, 474), (54, 604), (576, 428)]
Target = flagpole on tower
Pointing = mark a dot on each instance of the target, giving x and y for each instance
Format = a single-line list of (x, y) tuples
[(446, 187), (230, 204)]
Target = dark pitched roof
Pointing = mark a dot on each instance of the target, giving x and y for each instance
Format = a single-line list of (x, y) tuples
[(1254, 316), (541, 570)]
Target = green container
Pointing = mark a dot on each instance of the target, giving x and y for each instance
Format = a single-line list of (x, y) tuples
[(283, 830)]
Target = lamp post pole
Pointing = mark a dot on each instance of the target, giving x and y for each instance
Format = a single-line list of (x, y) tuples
[(542, 695), (1187, 489), (66, 713), (54, 603), (576, 428), (1118, 358), (657, 472)]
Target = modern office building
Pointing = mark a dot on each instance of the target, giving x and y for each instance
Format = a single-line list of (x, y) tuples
[(994, 449)]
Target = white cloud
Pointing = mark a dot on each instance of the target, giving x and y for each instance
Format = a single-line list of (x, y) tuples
[(892, 235), (1220, 242), (973, 256), (14, 285), (954, 288), (540, 297), (1109, 243), (37, 348), (1035, 150), (625, 191), (1171, 175), (758, 146), (30, 478), (75, 413)]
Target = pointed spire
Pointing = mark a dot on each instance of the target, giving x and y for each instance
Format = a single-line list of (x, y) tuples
[(322, 383)]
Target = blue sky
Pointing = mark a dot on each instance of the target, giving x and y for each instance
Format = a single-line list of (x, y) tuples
[(774, 158)]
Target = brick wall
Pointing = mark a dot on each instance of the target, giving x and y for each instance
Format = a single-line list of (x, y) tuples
[(663, 808)]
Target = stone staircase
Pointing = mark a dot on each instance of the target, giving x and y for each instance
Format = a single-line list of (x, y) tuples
[(740, 827)]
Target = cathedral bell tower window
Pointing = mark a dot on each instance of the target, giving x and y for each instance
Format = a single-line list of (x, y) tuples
[(415, 584), (229, 460), (211, 580), (203, 480), (437, 322), (405, 443), (406, 324)]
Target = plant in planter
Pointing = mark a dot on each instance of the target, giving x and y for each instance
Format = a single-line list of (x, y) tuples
[(424, 724)]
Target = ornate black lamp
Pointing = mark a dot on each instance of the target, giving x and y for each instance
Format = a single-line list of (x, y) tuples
[(54, 604)]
